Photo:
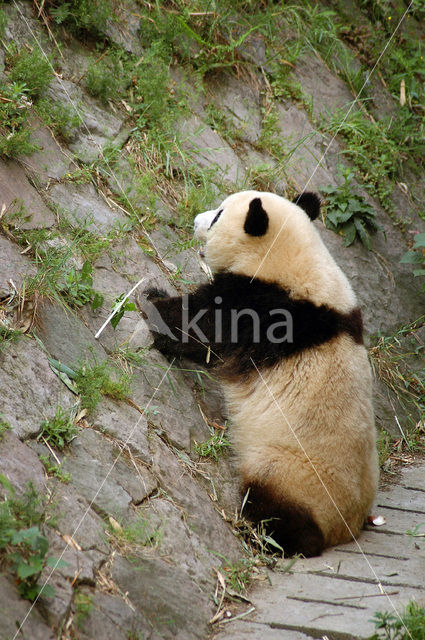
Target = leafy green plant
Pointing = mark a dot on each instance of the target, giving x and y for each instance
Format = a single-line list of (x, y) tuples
[(61, 118), (94, 381), (7, 334), (77, 290), (125, 306), (31, 69), (106, 77), (81, 15), (416, 256), (215, 446), (22, 541), (55, 470), (4, 426), (349, 214), (14, 129), (409, 626), (60, 430), (83, 605)]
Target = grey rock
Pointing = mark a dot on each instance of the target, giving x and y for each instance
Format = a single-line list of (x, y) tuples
[(51, 161), (29, 389), (13, 611), (20, 464), (240, 102), (306, 164), (84, 206), (24, 207), (99, 126), (116, 617), (123, 27), (75, 518), (163, 391), (328, 92), (208, 150), (75, 566), (66, 338), (56, 609), (124, 423), (151, 585), (104, 477), (202, 517), (13, 267)]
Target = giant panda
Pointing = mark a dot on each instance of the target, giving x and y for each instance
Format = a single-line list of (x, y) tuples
[(282, 326)]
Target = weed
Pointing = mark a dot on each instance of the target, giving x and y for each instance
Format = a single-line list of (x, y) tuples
[(3, 22), (14, 129), (83, 605), (349, 214), (81, 15), (22, 541), (60, 430), (30, 69), (4, 426), (409, 626), (270, 138), (77, 290), (385, 448), (215, 446), (398, 362), (94, 381), (7, 335), (238, 574), (416, 256), (122, 305), (140, 532), (106, 77), (61, 118), (55, 470)]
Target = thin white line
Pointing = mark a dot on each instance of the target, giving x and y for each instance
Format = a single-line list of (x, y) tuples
[(117, 308), (94, 498), (330, 496), (80, 114), (336, 132)]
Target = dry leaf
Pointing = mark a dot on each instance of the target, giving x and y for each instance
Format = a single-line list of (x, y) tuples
[(71, 542), (115, 525), (402, 93)]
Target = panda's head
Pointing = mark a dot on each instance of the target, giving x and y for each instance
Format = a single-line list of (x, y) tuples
[(266, 236)]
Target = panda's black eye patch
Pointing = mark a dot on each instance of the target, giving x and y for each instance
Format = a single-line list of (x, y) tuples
[(216, 217)]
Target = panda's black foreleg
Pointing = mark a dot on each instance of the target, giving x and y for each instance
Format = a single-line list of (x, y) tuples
[(182, 326)]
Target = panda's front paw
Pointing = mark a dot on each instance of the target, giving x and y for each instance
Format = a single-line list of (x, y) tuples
[(155, 294)]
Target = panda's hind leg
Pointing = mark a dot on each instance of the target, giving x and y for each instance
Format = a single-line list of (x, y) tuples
[(291, 525)]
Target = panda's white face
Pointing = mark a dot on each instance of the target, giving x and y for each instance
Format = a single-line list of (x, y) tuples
[(264, 235)]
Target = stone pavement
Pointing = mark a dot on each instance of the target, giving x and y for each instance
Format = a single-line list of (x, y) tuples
[(336, 595)]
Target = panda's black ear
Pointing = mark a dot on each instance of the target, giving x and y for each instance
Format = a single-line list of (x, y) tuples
[(257, 220), (309, 202)]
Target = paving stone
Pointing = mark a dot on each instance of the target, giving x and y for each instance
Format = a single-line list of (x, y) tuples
[(13, 266), (65, 336), (111, 483), (208, 150), (29, 389), (151, 586), (51, 161), (125, 423), (401, 498), (115, 617), (13, 611), (24, 207), (82, 204), (20, 464), (252, 630)]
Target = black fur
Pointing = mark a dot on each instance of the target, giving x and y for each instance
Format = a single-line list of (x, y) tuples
[(312, 325), (216, 217), (290, 525), (257, 220), (309, 202)]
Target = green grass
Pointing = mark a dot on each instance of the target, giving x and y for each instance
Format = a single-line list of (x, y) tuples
[(409, 626), (215, 446), (60, 430), (99, 380)]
